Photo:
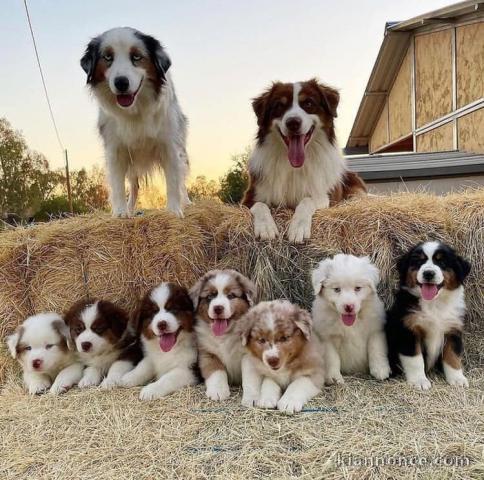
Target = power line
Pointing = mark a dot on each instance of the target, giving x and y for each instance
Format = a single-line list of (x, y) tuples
[(42, 77)]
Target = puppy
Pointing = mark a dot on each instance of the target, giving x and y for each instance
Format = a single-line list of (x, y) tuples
[(424, 325), (103, 342), (221, 298), (296, 162), (164, 320), (349, 317), (281, 355), (42, 347), (140, 119)]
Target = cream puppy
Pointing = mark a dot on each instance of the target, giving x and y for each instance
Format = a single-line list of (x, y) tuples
[(349, 317)]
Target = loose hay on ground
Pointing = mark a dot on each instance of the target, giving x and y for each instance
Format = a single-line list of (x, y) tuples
[(97, 434)]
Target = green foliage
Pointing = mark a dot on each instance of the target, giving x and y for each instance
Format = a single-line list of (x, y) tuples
[(58, 207), (234, 183), (202, 188)]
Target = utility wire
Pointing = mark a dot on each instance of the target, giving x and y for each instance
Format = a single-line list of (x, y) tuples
[(42, 76)]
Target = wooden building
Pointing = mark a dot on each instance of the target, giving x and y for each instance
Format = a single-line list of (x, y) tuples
[(426, 89)]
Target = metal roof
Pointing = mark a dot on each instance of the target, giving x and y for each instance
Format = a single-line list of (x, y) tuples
[(416, 165), (392, 51)]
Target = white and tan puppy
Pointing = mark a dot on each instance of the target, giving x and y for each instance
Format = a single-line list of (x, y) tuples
[(283, 366), (140, 119), (221, 298), (164, 321), (43, 348), (349, 317)]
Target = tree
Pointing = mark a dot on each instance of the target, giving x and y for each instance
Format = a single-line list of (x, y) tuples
[(25, 177), (234, 183), (202, 188)]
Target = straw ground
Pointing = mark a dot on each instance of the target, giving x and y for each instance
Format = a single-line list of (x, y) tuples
[(96, 434)]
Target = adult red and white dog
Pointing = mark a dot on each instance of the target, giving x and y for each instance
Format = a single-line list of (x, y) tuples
[(140, 119), (296, 162)]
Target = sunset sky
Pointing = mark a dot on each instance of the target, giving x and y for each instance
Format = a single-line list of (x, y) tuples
[(223, 53)]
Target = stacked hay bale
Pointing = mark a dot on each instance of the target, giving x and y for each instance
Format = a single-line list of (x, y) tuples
[(49, 266)]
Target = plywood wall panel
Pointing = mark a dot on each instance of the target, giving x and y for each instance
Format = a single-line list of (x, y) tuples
[(438, 140), (470, 129), (379, 137), (400, 101), (470, 63), (433, 76)]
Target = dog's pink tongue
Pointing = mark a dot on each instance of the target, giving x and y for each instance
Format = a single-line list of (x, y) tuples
[(167, 341), (429, 291), (125, 100), (296, 150), (348, 318), (219, 327)]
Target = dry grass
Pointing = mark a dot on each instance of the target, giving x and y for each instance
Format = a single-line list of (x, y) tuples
[(98, 435)]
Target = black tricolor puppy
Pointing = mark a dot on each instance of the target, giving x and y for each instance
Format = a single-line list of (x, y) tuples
[(424, 325)]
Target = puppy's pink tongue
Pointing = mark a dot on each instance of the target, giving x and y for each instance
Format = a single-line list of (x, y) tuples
[(348, 318), (429, 291), (296, 150), (219, 327), (167, 341), (125, 100)]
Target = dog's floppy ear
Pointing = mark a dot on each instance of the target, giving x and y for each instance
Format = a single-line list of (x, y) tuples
[(260, 103), (329, 98), (90, 58), (403, 262), (60, 326), (248, 287), (244, 326), (116, 316), (197, 288), (464, 268), (320, 274), (13, 341), (157, 53), (372, 272), (303, 321)]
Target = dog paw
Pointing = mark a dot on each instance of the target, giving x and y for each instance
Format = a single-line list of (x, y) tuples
[(420, 383), (150, 392), (458, 381), (218, 393), (290, 405), (380, 372), (333, 378), (58, 388), (36, 388), (120, 213), (109, 383), (267, 402), (249, 401), (266, 229), (87, 382), (176, 209), (299, 229)]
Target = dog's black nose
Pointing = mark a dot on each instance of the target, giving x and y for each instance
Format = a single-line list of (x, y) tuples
[(122, 84), (162, 326), (86, 346), (293, 124), (218, 309), (428, 275)]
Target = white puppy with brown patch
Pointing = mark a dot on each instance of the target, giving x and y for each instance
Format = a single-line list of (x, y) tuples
[(349, 317), (140, 119), (282, 355), (43, 348), (221, 298)]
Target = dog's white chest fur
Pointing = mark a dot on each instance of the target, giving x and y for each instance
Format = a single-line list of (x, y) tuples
[(439, 316), (183, 354), (280, 184), (102, 361), (228, 348)]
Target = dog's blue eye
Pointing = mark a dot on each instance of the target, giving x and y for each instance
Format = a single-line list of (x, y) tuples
[(28, 348), (136, 58), (108, 58), (357, 289), (49, 346), (337, 289)]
